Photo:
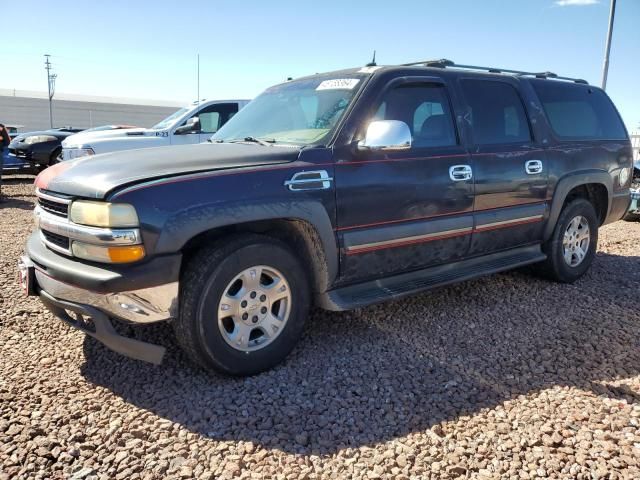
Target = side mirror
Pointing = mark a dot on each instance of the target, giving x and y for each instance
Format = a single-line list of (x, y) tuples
[(192, 126), (386, 135)]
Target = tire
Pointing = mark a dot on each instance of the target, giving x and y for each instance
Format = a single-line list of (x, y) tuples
[(556, 267), (214, 341)]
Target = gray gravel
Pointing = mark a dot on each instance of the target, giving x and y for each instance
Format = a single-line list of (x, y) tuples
[(503, 377)]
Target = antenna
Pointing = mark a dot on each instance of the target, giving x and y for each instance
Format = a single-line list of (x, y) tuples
[(51, 85), (372, 63), (198, 95)]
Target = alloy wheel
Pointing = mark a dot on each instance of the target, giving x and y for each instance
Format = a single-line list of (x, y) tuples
[(254, 308), (575, 243)]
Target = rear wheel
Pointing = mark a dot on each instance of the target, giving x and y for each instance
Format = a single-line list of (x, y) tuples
[(243, 304), (572, 246)]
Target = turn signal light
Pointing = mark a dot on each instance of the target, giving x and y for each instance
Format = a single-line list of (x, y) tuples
[(115, 254), (126, 254)]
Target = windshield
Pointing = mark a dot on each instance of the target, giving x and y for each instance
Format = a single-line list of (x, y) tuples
[(170, 120), (302, 112)]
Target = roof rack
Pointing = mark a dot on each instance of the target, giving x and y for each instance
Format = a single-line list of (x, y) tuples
[(444, 63)]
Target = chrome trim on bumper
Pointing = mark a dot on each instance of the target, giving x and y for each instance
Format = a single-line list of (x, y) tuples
[(94, 235), (139, 306)]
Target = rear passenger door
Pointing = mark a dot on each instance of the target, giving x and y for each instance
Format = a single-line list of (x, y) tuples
[(510, 168)]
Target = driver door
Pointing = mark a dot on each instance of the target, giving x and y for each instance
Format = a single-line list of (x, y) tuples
[(405, 210)]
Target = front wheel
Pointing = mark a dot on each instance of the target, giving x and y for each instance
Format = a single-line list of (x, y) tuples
[(572, 246), (243, 304)]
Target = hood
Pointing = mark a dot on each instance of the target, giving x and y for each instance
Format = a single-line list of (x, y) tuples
[(84, 138), (53, 133), (96, 176)]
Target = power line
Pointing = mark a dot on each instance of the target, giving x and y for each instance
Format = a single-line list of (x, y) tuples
[(51, 85)]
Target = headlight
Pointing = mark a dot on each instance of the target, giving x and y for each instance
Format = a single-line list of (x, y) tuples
[(39, 139), (117, 254), (71, 153), (623, 178), (103, 214)]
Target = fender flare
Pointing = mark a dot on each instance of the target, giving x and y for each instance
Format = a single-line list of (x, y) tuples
[(568, 183), (186, 224)]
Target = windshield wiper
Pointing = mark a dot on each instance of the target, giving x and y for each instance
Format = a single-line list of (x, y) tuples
[(266, 141)]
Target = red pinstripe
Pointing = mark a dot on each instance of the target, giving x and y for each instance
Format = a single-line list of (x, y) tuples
[(439, 237), (403, 244)]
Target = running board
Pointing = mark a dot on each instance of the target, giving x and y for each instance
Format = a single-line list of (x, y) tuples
[(398, 286)]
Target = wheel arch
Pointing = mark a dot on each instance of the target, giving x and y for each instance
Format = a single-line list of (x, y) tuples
[(594, 185), (305, 228)]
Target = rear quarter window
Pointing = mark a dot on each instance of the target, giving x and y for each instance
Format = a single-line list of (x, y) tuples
[(579, 112)]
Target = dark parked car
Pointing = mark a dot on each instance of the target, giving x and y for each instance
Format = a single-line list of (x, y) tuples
[(35, 151), (342, 189)]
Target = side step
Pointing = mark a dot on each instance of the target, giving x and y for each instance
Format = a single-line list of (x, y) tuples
[(376, 291)]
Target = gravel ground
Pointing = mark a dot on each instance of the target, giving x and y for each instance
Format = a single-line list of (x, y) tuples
[(504, 377)]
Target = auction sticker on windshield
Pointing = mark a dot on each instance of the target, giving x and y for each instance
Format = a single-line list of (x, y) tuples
[(338, 84)]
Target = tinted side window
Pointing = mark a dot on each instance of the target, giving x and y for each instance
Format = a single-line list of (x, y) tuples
[(579, 111), (497, 114), (425, 109)]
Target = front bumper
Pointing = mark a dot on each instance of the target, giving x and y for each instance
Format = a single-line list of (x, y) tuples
[(23, 152), (142, 293), (96, 324), (138, 293)]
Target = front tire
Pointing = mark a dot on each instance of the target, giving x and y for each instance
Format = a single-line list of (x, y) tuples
[(572, 246), (243, 304)]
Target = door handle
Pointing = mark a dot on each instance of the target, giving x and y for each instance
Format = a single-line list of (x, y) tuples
[(533, 167), (459, 173)]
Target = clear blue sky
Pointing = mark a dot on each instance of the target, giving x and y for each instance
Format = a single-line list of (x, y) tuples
[(147, 49)]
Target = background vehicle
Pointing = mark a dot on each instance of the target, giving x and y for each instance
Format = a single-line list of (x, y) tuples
[(634, 207), (13, 130), (343, 189), (34, 151), (192, 124), (103, 128)]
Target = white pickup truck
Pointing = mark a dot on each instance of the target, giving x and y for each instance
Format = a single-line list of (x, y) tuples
[(192, 124)]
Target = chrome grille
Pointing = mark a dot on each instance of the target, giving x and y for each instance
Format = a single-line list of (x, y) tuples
[(59, 240), (57, 205), (54, 207), (54, 204)]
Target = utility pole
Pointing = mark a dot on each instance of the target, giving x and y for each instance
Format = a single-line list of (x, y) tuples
[(605, 67), (198, 96), (51, 85)]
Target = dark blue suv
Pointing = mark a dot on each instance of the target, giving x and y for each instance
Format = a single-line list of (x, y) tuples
[(341, 190)]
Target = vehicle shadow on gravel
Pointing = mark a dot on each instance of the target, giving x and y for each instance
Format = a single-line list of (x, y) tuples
[(15, 201), (370, 376)]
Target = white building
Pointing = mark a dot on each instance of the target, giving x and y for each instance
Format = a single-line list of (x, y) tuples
[(635, 143), (31, 110)]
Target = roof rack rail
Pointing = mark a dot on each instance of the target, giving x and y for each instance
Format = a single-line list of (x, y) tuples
[(444, 63)]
